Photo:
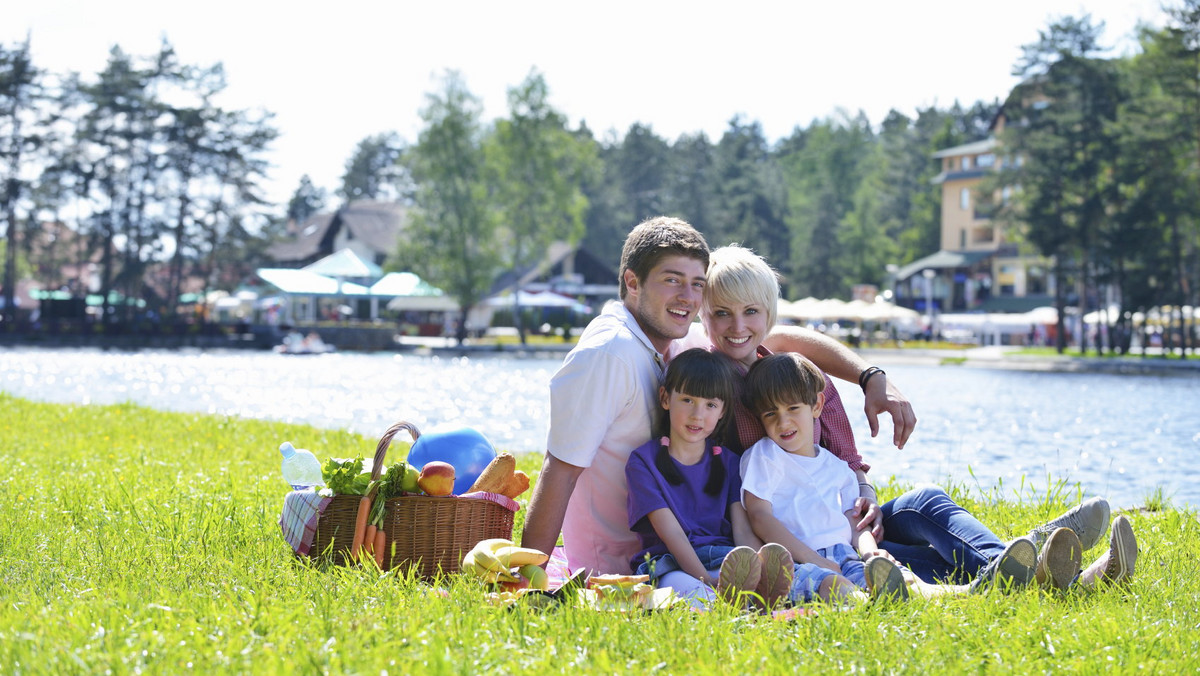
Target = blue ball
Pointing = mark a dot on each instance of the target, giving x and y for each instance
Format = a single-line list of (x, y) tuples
[(466, 449)]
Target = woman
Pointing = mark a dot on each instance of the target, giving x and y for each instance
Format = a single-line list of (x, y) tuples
[(924, 528)]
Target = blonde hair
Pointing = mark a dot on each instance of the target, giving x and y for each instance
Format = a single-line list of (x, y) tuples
[(736, 276)]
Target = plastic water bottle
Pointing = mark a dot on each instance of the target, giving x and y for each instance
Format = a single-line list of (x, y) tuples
[(301, 469)]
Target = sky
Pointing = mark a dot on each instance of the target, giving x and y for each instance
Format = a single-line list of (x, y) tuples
[(335, 73)]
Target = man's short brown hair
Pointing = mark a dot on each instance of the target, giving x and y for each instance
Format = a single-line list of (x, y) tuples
[(653, 240)]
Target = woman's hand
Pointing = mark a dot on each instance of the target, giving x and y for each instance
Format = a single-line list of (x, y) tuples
[(869, 517), (884, 397)]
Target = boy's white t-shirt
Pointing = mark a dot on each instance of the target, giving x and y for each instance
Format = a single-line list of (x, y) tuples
[(808, 495)]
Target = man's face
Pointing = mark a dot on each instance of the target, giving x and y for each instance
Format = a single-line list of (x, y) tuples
[(667, 300)]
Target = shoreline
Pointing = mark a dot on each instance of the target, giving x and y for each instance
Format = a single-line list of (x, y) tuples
[(990, 357)]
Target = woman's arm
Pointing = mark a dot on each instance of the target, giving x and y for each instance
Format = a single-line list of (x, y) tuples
[(667, 527), (841, 362), (743, 533), (771, 529)]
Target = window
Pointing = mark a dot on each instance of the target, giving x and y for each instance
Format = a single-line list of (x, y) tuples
[(964, 199), (1006, 195), (966, 162), (985, 161)]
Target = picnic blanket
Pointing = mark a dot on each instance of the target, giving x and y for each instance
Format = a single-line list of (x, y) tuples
[(301, 510)]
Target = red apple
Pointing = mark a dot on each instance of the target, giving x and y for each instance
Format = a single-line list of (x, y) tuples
[(437, 478)]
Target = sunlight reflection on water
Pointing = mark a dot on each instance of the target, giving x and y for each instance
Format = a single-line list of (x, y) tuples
[(1120, 436)]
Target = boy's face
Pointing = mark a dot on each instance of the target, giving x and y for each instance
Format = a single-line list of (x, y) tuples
[(791, 426), (693, 419)]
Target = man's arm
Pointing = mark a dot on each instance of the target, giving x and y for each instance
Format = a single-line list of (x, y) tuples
[(841, 362), (548, 505)]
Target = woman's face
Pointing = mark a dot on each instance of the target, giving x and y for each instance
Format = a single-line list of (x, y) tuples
[(737, 329)]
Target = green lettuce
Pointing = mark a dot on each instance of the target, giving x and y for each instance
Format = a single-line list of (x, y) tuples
[(346, 477)]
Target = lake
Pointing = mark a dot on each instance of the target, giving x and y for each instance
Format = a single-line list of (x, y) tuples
[(1122, 436)]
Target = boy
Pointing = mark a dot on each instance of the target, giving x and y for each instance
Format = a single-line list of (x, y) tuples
[(800, 495)]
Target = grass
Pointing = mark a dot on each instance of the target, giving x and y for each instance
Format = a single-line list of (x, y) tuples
[(137, 541)]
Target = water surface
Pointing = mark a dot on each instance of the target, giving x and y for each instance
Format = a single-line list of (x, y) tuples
[(1121, 436)]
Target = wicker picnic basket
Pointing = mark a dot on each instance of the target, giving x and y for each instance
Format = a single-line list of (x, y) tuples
[(427, 534)]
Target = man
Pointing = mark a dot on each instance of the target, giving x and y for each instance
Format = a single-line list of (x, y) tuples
[(603, 398)]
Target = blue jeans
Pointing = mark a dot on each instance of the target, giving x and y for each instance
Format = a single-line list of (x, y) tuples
[(935, 537), (711, 557)]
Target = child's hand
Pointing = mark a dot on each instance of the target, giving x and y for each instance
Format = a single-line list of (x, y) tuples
[(878, 552)]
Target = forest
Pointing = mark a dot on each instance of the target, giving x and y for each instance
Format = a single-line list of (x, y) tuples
[(135, 173)]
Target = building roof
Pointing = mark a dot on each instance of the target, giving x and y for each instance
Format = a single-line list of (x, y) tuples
[(986, 145), (404, 284), (303, 282), (344, 263), (376, 224), (943, 260)]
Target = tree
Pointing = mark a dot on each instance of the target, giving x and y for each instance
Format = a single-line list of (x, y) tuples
[(536, 167), (692, 184), (642, 165), (606, 222), (822, 165), (1155, 232), (20, 88), (452, 236), (373, 172), (1059, 125), (307, 200), (750, 194)]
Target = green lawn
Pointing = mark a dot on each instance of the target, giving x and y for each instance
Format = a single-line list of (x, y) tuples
[(137, 541)]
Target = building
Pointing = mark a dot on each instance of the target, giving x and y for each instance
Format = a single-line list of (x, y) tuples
[(370, 229), (977, 267)]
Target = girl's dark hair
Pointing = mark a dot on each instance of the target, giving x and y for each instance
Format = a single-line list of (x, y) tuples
[(708, 375), (782, 380)]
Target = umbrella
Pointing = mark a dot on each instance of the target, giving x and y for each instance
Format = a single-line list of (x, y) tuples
[(540, 299)]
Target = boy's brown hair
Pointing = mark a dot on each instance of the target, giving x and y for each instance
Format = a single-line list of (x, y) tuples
[(654, 239), (782, 380)]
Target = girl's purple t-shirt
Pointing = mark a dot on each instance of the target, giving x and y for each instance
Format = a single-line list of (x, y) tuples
[(704, 518)]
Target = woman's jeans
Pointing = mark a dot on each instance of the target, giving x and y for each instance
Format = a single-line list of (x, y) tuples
[(935, 537)]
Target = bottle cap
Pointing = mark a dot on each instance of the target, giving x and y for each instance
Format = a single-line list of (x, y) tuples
[(287, 449)]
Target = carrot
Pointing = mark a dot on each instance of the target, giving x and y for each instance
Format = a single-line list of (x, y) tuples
[(380, 546), (369, 541), (360, 526)]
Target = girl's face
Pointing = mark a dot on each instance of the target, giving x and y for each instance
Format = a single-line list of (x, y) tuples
[(693, 419), (737, 329)]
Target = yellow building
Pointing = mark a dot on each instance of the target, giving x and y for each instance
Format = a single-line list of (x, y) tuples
[(976, 267)]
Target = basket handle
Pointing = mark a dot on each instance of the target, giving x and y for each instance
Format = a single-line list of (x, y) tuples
[(386, 441)]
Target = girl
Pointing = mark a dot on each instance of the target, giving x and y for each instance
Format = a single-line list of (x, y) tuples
[(684, 494)]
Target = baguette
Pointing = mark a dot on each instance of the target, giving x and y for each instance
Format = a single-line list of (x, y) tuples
[(496, 475), (517, 484)]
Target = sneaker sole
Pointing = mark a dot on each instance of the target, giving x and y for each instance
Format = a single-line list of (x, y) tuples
[(1017, 564), (885, 580), (775, 582), (1061, 559), (740, 572)]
